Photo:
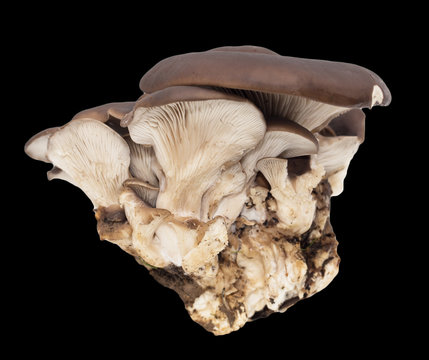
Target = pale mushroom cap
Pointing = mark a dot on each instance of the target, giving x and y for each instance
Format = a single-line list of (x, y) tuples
[(57, 173), (37, 146), (192, 140), (94, 156), (274, 170), (335, 154), (282, 137), (181, 130)]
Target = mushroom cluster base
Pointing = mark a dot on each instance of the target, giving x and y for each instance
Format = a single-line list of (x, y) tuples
[(261, 270)]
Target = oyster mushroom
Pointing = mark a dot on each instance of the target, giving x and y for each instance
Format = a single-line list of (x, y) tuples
[(195, 133), (282, 136), (111, 114), (141, 158), (309, 92), (336, 149), (218, 178), (94, 156)]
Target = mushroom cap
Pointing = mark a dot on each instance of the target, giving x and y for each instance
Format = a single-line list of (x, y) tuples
[(351, 123), (111, 114), (305, 142), (335, 83), (37, 146), (104, 112), (93, 156), (194, 140), (335, 154), (178, 93), (282, 137), (274, 169)]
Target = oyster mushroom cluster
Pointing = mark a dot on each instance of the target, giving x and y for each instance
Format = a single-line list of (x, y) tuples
[(218, 178)]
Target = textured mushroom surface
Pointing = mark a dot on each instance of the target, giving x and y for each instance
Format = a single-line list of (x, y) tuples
[(218, 179)]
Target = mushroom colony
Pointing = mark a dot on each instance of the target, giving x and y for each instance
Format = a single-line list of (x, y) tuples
[(218, 178)]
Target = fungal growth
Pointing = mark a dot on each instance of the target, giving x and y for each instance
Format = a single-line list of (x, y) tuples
[(218, 178)]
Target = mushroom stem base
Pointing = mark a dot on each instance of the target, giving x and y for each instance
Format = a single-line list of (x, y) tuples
[(261, 271)]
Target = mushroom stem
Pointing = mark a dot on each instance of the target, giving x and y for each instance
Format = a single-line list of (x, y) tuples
[(295, 203), (230, 182), (183, 201), (145, 221), (113, 226)]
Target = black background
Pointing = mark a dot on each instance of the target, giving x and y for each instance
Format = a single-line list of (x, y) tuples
[(70, 292)]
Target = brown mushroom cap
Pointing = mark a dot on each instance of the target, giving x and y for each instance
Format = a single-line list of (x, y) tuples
[(352, 123), (178, 93), (335, 83), (111, 114), (279, 124), (104, 112), (183, 93), (282, 137)]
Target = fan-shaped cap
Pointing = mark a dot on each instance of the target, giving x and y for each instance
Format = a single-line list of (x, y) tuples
[(352, 123), (93, 156), (282, 137), (329, 82), (104, 112), (178, 93), (37, 146), (111, 114), (195, 133)]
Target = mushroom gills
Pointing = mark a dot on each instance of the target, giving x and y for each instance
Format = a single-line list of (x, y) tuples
[(193, 141)]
